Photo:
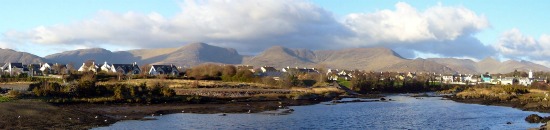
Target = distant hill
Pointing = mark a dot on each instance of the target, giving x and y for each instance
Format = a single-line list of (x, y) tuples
[(280, 57), (193, 54), (188, 55), (369, 59), (8, 55), (465, 66), (420, 65), (100, 55), (489, 65)]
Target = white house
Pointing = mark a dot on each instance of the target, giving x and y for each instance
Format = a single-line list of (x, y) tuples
[(524, 81), (106, 67), (447, 78), (46, 67), (507, 81), (88, 67)]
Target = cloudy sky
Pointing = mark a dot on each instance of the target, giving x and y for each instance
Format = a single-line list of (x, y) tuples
[(473, 29)]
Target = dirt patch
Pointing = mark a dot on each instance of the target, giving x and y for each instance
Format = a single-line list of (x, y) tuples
[(36, 114)]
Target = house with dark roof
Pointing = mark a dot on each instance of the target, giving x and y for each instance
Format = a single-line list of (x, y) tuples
[(271, 72), (14, 68), (163, 69), (126, 68), (34, 70)]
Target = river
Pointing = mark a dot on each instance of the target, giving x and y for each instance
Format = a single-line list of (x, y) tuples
[(403, 113)]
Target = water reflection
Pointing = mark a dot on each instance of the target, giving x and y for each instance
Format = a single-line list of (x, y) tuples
[(403, 113)]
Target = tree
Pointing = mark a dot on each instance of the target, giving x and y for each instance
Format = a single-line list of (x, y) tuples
[(119, 75), (70, 68), (145, 70), (289, 80), (31, 69), (228, 72)]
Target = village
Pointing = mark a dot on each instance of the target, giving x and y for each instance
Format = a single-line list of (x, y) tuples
[(55, 70)]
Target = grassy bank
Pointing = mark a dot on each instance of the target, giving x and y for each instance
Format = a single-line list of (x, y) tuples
[(520, 97), (4, 99)]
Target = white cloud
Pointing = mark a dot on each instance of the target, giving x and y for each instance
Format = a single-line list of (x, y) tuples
[(406, 24), (247, 25), (516, 45), (252, 26), (447, 31)]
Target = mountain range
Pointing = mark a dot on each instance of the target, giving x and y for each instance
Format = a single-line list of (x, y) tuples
[(369, 59)]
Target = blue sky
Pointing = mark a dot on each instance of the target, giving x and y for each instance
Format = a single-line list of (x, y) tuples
[(57, 22)]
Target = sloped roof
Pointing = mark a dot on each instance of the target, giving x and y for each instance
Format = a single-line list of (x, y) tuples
[(165, 68), (126, 67)]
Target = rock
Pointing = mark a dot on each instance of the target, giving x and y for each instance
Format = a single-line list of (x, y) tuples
[(382, 99), (508, 123), (533, 118)]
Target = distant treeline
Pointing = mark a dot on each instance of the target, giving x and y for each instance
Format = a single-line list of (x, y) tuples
[(89, 91), (372, 83)]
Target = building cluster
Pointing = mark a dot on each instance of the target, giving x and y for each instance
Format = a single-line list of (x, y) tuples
[(14, 69), (461, 79), (489, 79)]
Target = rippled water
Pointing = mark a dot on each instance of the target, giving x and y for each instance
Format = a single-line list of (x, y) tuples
[(404, 113)]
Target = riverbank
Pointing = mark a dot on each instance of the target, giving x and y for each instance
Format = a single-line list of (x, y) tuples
[(520, 98), (509, 96), (38, 114)]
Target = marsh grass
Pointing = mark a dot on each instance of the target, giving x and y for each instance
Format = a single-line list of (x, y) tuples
[(4, 99)]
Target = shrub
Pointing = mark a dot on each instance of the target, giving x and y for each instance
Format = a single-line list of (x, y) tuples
[(14, 94), (4, 99), (510, 89)]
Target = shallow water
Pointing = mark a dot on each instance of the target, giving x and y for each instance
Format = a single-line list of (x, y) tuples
[(404, 113)]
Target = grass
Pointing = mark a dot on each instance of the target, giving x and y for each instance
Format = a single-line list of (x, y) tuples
[(344, 82), (187, 84), (4, 99)]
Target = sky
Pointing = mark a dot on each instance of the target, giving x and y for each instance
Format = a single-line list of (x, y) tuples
[(414, 29)]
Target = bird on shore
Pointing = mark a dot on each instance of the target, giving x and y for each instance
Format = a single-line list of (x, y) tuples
[(249, 111), (105, 120), (18, 116), (182, 111), (96, 117)]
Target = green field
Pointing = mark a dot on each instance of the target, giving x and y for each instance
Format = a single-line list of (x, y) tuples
[(4, 99), (344, 82)]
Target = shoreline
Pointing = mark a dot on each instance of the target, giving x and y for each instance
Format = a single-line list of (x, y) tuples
[(38, 114), (524, 106)]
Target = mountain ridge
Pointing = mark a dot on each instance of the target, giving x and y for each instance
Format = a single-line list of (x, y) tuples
[(369, 59)]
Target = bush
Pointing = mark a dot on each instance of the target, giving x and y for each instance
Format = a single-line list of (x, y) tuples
[(510, 89), (14, 94), (4, 99)]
